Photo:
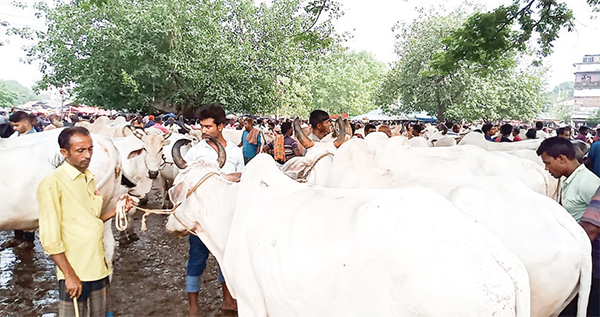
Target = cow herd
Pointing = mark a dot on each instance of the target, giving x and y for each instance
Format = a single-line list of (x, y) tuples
[(466, 230)]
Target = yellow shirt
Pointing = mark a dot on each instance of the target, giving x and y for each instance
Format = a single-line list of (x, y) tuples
[(70, 221)]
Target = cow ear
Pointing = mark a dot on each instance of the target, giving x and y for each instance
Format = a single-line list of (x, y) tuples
[(166, 142), (135, 153)]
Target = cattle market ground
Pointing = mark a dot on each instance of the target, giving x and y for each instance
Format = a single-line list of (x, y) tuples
[(148, 279)]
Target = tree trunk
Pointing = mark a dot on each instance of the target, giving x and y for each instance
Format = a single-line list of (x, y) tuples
[(441, 111)]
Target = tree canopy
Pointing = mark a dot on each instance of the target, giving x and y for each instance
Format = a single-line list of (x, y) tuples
[(486, 37), (176, 55), (414, 85)]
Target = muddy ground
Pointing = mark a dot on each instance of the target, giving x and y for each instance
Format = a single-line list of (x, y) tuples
[(148, 277)]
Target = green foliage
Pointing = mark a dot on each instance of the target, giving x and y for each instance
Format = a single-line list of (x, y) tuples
[(485, 38), (556, 101), (13, 94), (176, 55), (7, 97), (468, 92), (344, 81)]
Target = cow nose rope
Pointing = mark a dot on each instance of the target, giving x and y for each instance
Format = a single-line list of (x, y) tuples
[(121, 219), (172, 210)]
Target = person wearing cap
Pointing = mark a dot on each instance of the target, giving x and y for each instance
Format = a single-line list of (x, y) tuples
[(150, 122), (321, 125)]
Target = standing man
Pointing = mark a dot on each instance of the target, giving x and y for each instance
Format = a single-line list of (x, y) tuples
[(212, 122), (284, 147), (321, 125), (578, 189), (250, 140), (72, 227)]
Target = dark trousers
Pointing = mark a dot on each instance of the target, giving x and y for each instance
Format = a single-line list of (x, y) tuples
[(24, 235), (593, 309)]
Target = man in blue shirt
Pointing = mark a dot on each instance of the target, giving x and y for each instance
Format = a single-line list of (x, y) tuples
[(250, 140)]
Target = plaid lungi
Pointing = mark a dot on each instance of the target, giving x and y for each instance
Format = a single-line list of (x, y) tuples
[(91, 302)]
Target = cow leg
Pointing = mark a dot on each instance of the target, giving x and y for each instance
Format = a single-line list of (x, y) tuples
[(109, 244), (130, 230)]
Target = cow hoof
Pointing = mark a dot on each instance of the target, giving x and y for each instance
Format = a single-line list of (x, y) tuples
[(11, 243)]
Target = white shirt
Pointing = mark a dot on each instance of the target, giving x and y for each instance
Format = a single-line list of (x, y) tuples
[(313, 137), (233, 163)]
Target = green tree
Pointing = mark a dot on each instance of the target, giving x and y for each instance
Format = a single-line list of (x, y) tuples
[(176, 55), (344, 82), (7, 97), (22, 93), (467, 93), (486, 37)]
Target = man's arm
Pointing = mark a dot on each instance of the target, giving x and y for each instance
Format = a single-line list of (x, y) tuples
[(590, 221), (72, 282), (591, 229)]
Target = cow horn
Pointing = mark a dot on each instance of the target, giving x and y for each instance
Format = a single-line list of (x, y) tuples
[(302, 138), (220, 149), (348, 127), (176, 152), (168, 135), (341, 137), (138, 134)]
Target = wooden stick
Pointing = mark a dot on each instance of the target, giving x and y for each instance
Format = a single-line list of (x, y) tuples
[(76, 307)]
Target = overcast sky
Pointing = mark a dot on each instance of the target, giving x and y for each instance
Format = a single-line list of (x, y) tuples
[(370, 22)]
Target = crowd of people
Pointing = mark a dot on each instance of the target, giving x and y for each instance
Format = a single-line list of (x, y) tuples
[(83, 274)]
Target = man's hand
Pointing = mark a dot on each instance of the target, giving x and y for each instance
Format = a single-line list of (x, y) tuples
[(233, 177), (73, 285)]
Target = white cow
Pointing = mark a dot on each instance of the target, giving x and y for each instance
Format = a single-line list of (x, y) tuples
[(333, 252), (476, 138), (553, 247), (31, 157)]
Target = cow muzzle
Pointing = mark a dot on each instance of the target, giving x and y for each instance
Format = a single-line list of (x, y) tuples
[(153, 174)]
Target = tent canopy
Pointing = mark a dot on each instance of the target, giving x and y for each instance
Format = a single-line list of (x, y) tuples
[(378, 115)]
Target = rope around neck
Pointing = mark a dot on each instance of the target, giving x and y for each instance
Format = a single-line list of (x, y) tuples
[(163, 211)]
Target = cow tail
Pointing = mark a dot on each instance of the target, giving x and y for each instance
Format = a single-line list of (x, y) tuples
[(585, 282)]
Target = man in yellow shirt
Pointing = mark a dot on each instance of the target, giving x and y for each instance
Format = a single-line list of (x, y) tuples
[(72, 226)]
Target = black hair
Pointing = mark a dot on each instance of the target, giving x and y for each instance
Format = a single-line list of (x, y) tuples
[(214, 111), (368, 127), (555, 146), (561, 130), (539, 125), (516, 130), (317, 117), (285, 127), (583, 129), (64, 138), (506, 129), (22, 115), (486, 128), (531, 133)]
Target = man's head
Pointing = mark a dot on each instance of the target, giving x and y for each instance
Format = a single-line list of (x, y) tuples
[(319, 120), (558, 155), (516, 131), (456, 128), (539, 125), (506, 129), (76, 146), (386, 129), (248, 124), (487, 129), (158, 119), (583, 130), (22, 121), (286, 128), (369, 128), (563, 133), (212, 120)]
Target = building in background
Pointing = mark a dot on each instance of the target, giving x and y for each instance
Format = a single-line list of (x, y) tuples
[(586, 95)]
